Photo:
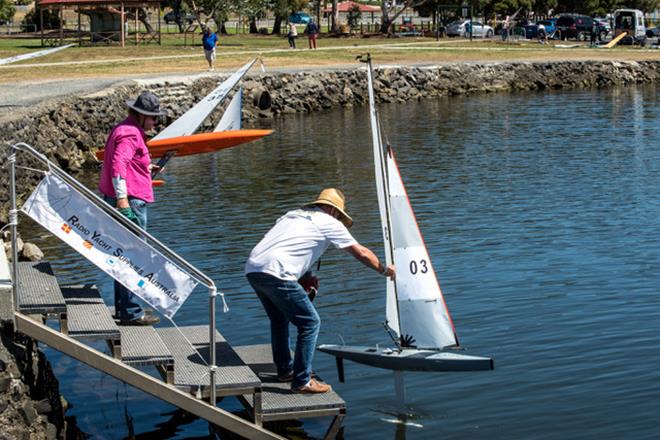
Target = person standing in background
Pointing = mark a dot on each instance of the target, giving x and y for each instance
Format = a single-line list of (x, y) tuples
[(312, 31), (292, 34), (209, 41)]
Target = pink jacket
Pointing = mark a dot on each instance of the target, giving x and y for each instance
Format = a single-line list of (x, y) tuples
[(126, 155)]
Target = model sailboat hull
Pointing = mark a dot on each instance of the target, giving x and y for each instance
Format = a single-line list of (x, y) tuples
[(409, 359)]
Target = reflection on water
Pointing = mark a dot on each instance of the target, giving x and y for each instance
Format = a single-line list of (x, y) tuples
[(541, 216)]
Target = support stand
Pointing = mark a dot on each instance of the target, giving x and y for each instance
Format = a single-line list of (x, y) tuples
[(400, 390)]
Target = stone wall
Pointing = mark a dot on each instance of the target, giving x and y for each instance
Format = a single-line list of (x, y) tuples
[(30, 404), (70, 130)]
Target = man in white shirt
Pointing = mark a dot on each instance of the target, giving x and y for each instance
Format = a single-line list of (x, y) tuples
[(280, 259)]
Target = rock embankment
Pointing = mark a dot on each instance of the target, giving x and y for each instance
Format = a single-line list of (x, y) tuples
[(30, 403)]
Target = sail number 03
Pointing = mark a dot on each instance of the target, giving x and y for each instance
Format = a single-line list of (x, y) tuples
[(422, 267)]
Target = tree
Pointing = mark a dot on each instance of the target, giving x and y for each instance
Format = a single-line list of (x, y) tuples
[(334, 23), (51, 19), (386, 8), (7, 10), (354, 16)]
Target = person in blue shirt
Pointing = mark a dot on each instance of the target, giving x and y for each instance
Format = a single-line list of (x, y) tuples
[(209, 41)]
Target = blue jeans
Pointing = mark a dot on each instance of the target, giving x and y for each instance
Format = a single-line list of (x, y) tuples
[(284, 302), (126, 307)]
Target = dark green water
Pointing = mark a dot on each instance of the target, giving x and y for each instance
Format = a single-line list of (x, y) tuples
[(541, 215)]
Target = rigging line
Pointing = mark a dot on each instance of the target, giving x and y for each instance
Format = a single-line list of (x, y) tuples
[(395, 340), (187, 340), (32, 169)]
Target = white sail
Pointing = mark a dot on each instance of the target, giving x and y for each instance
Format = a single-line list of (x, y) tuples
[(422, 310), (231, 118), (193, 118), (391, 312), (414, 305)]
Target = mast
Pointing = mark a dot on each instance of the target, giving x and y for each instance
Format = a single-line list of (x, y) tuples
[(382, 187)]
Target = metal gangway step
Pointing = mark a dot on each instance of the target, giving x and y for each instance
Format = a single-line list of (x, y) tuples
[(190, 348), (277, 400), (86, 316), (39, 292)]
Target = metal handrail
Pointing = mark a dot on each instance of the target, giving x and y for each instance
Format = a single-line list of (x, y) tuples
[(96, 200)]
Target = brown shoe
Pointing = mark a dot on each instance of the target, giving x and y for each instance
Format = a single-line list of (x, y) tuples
[(143, 320), (312, 387)]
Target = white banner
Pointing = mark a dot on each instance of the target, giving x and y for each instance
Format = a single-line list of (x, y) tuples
[(109, 245)]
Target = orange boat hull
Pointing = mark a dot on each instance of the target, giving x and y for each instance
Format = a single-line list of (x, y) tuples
[(200, 143)]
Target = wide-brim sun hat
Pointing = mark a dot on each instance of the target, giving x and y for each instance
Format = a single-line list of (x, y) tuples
[(335, 198), (147, 104)]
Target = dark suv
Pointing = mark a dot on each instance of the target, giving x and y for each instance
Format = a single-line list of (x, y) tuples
[(179, 17), (575, 26)]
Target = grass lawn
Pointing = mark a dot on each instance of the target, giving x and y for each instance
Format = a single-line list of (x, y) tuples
[(173, 56)]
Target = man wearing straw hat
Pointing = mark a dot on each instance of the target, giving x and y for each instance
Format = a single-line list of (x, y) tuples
[(126, 184), (279, 260)]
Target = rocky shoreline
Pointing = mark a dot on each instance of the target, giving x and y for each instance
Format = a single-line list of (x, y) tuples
[(69, 130)]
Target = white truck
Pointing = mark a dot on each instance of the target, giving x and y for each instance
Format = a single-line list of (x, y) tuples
[(630, 21)]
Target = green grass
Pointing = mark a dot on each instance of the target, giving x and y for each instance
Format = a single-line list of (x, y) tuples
[(174, 56)]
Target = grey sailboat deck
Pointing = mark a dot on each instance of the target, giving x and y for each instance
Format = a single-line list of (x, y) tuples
[(38, 289), (278, 402), (190, 362)]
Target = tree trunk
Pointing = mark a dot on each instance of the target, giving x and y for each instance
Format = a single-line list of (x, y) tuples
[(144, 18), (277, 25), (253, 25), (335, 18), (220, 24), (385, 18)]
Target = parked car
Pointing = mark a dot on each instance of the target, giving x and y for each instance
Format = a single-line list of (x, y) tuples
[(461, 28), (604, 28), (532, 29), (653, 32), (575, 26), (179, 17), (407, 27), (300, 18)]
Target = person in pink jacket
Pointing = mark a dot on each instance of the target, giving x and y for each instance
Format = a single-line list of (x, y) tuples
[(126, 184)]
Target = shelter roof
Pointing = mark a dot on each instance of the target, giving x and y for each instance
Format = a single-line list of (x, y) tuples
[(43, 3), (348, 5)]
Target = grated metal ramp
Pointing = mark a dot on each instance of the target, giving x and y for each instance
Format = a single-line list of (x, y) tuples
[(87, 316), (190, 363), (143, 346), (38, 291), (277, 401)]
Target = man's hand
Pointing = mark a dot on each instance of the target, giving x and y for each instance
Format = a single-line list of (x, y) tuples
[(390, 272), (122, 203)]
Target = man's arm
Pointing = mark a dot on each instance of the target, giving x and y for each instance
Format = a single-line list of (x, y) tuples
[(369, 259)]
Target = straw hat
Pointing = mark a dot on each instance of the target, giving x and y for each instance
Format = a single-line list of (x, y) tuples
[(335, 198)]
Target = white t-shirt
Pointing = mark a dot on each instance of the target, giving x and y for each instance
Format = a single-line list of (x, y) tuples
[(297, 240)]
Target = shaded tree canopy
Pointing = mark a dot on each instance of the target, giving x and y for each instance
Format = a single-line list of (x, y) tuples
[(7, 10)]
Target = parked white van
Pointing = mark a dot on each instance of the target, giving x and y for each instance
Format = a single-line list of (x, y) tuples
[(630, 21)]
